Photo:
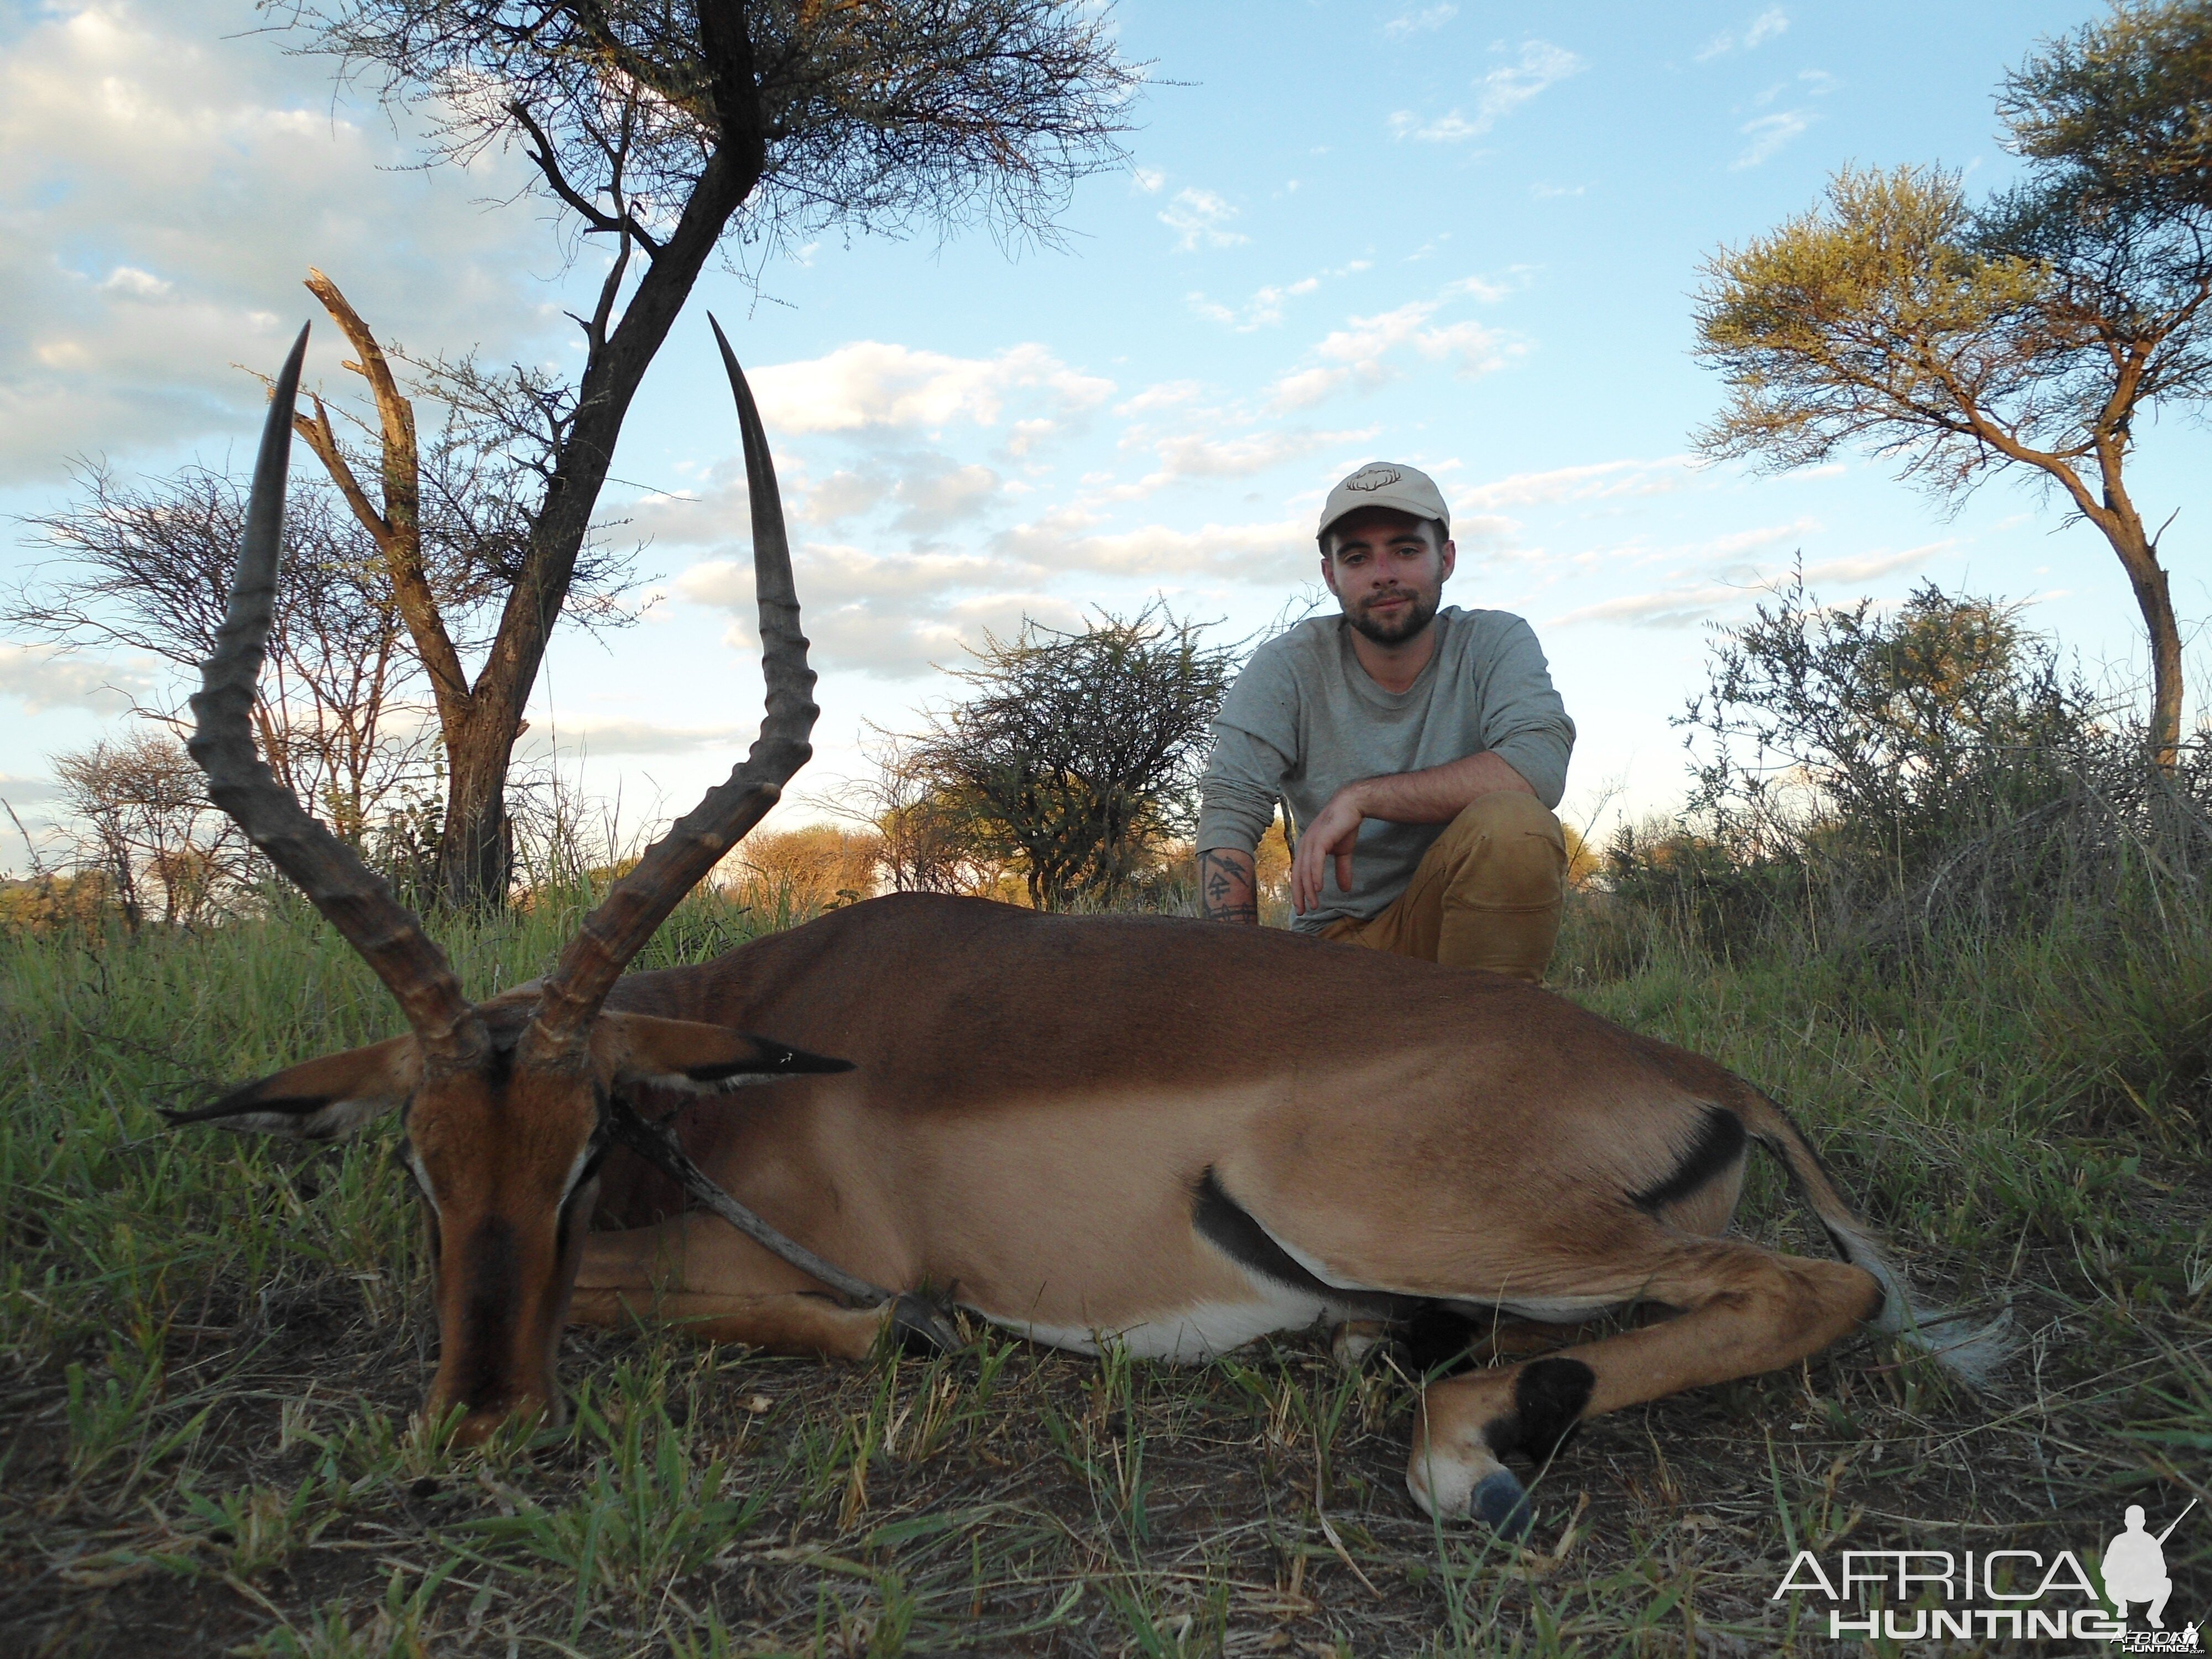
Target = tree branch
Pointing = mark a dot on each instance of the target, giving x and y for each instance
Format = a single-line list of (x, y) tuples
[(398, 530), (595, 217)]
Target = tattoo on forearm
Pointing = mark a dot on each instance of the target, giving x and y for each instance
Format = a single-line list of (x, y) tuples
[(1226, 889)]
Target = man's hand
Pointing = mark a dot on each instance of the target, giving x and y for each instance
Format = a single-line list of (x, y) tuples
[(1437, 794), (1331, 836), (1228, 890)]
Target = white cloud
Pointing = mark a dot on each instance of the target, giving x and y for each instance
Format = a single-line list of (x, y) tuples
[(1866, 567), (1360, 353), (43, 677), (1194, 455), (1200, 217), (931, 491), (887, 615), (1696, 601), (172, 174), (1447, 129), (1268, 554), (868, 385), (922, 491), (1501, 92), (1419, 22), (1768, 134), (1198, 455), (1597, 480), (566, 738), (25, 792), (845, 495), (1265, 308), (1262, 310), (1669, 608), (930, 500), (1148, 179), (900, 642), (1769, 24), (1505, 90), (830, 572), (1163, 395)]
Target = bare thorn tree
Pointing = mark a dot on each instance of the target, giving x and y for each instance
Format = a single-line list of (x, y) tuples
[(669, 127), (143, 818), (147, 568), (1076, 755)]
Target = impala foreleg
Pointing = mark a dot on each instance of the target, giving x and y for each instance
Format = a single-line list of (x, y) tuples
[(1744, 1310), (695, 1273)]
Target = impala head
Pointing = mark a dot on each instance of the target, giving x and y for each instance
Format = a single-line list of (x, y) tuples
[(506, 1104)]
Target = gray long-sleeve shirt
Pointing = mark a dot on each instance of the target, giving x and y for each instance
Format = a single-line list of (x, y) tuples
[(1304, 719)]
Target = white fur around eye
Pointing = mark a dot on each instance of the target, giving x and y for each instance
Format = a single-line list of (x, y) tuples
[(422, 1181), (576, 1169)]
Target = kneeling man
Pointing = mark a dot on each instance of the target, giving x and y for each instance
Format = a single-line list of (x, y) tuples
[(1419, 752)]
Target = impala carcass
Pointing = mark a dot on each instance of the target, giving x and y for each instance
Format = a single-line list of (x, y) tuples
[(1179, 1135)]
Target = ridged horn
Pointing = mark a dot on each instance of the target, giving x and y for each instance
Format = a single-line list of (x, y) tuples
[(637, 904), (356, 899)]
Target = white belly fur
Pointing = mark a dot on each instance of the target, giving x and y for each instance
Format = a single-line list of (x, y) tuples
[(1192, 1335)]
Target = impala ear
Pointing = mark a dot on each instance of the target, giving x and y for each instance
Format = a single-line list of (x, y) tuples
[(321, 1100), (683, 1053)]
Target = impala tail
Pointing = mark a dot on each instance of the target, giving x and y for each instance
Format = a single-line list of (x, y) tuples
[(1973, 1353)]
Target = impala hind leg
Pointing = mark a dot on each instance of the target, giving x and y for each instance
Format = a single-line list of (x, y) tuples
[(695, 1273), (1744, 1310), (1434, 1337)]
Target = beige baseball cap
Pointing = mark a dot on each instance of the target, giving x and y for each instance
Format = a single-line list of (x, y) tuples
[(1386, 484)]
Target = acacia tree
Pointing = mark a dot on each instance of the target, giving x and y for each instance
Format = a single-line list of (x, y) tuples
[(669, 127), (1078, 753), (920, 825), (2028, 333), (143, 820), (146, 568)]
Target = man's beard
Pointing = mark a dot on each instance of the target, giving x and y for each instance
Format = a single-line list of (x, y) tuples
[(1417, 614)]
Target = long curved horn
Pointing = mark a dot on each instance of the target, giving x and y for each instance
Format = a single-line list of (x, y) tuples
[(671, 866), (357, 902)]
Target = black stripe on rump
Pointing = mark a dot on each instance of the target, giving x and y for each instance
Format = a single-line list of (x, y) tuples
[(1717, 1149), (1221, 1223)]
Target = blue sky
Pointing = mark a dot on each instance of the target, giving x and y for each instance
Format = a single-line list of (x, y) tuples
[(1461, 236)]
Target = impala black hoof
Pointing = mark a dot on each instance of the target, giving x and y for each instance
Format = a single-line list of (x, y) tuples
[(920, 1330), (1502, 1503)]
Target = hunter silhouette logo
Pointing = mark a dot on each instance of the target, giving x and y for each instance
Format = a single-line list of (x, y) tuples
[(2135, 1567), (1923, 1595), (1373, 477)]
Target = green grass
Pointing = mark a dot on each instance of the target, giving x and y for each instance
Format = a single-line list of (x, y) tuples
[(210, 1348)]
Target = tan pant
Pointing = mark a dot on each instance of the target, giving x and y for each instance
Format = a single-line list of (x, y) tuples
[(1485, 894)]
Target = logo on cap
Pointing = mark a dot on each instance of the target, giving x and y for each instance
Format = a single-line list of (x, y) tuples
[(1373, 477)]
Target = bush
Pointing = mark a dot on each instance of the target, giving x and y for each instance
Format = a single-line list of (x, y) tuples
[(1917, 807)]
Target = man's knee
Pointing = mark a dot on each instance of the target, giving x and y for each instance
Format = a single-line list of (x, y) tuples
[(1508, 853)]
